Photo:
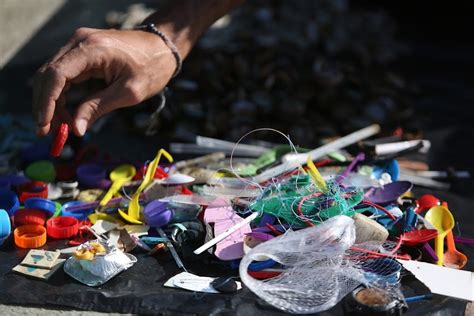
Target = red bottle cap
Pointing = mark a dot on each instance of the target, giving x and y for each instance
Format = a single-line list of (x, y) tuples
[(60, 140), (32, 189), (62, 227), (28, 216)]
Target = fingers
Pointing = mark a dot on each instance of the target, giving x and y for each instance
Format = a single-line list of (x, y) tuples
[(43, 126), (61, 114), (97, 105), (49, 85)]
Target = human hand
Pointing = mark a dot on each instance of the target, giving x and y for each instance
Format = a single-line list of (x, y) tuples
[(135, 65)]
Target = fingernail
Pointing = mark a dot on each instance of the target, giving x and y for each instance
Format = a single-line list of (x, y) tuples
[(81, 126)]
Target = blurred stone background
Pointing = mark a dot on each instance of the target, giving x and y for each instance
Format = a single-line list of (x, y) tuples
[(312, 69)]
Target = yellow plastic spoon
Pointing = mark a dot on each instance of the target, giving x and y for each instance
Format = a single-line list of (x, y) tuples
[(133, 215), (441, 219), (119, 176)]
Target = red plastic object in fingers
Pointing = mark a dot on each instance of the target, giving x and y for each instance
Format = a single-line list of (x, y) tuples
[(60, 140)]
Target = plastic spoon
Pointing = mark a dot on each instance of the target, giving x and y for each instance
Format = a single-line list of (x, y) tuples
[(425, 202), (389, 192), (442, 219), (133, 215), (453, 258), (177, 179), (119, 176)]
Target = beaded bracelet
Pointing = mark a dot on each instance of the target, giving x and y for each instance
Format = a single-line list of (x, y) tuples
[(150, 27)]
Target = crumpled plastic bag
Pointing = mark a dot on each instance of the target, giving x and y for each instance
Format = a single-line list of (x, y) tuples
[(316, 272)]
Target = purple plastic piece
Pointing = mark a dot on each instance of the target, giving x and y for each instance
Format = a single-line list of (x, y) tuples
[(388, 193), (267, 219), (260, 235), (345, 173), (265, 229), (464, 240), (430, 251), (157, 213), (90, 175)]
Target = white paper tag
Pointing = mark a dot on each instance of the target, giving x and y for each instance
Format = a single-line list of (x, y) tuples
[(195, 283), (442, 280)]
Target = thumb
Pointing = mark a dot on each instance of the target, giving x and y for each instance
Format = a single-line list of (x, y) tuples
[(95, 106)]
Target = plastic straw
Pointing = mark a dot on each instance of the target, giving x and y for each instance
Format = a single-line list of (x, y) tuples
[(225, 234), (292, 161)]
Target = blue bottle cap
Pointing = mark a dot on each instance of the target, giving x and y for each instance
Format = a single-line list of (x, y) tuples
[(41, 204), (9, 201)]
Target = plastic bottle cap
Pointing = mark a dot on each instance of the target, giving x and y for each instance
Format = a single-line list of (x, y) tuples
[(28, 216), (41, 171), (41, 204), (33, 189), (9, 201), (62, 227), (90, 175), (59, 141), (80, 215), (30, 236), (157, 213), (5, 225)]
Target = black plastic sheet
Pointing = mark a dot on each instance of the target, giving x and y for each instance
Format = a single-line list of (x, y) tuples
[(140, 289)]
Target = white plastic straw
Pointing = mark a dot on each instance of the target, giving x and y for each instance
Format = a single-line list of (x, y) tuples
[(225, 234)]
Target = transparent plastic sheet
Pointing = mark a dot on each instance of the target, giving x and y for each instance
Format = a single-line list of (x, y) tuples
[(318, 268)]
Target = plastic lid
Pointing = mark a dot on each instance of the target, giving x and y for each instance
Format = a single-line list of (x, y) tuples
[(62, 227), (41, 204), (41, 171), (59, 140), (9, 201), (80, 215), (30, 236), (157, 213), (33, 189), (28, 216), (5, 225), (90, 175)]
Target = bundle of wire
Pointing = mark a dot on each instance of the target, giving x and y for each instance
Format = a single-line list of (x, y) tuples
[(301, 203)]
